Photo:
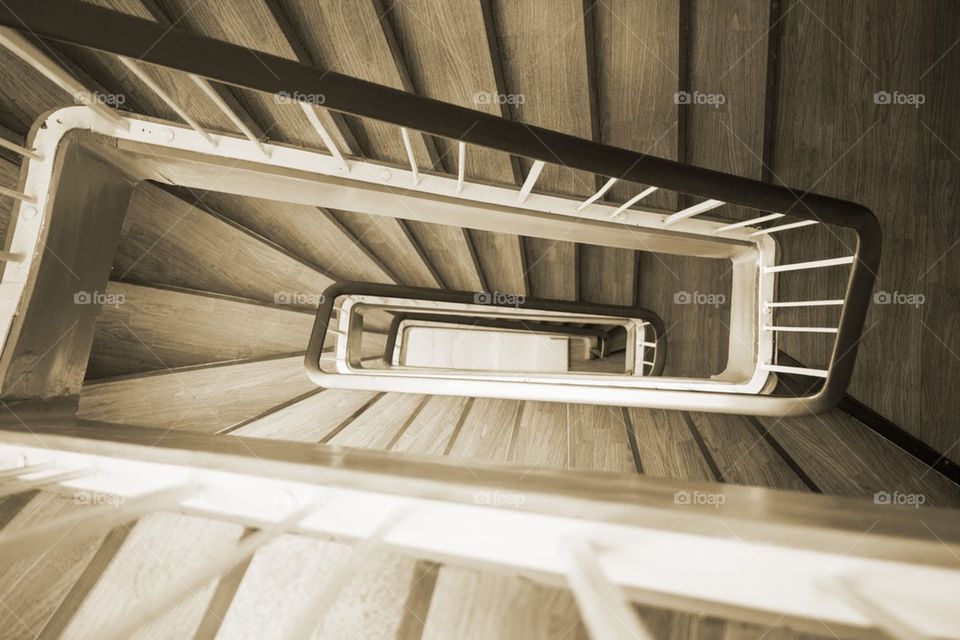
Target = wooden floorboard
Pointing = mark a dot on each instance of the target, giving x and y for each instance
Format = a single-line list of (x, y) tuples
[(144, 331), (742, 455), (728, 58), (448, 250), (431, 431)]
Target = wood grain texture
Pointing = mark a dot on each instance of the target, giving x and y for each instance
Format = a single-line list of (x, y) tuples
[(201, 399), (940, 340), (606, 275), (552, 268), (433, 427), (666, 446), (429, 31), (508, 608), (346, 36), (285, 577), (598, 439), (309, 420), (382, 423), (250, 23), (728, 57), (162, 549), (543, 55), (487, 431), (697, 334), (32, 588), (308, 232), (167, 240), (146, 331), (9, 178), (637, 49), (742, 455), (387, 239), (92, 573), (844, 457), (835, 138), (542, 436), (449, 251), (25, 94)]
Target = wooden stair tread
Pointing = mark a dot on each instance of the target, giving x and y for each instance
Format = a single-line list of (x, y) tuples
[(162, 549), (381, 424), (169, 241), (310, 419), (387, 239), (347, 37), (201, 399), (552, 268), (32, 590), (607, 275), (146, 331), (254, 26), (666, 447), (449, 251), (306, 231)]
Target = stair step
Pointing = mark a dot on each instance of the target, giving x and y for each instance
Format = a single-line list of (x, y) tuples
[(330, 34), (207, 398), (387, 239), (607, 275), (147, 332), (551, 267), (309, 232), (311, 419), (30, 590), (9, 177), (166, 240), (26, 94), (284, 578), (162, 550), (381, 424), (666, 447), (448, 250)]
